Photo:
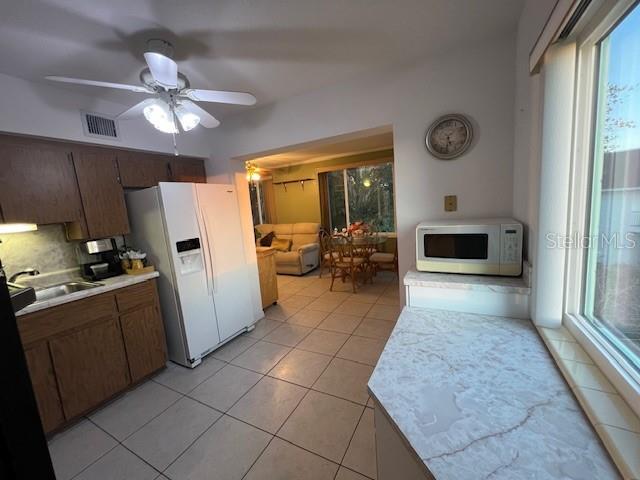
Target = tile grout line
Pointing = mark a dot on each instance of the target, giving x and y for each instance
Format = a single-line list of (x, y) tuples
[(193, 442), (353, 434), (267, 374), (132, 433), (118, 444)]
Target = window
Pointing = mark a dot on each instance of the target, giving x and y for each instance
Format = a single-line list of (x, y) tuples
[(362, 194), (257, 202), (612, 273)]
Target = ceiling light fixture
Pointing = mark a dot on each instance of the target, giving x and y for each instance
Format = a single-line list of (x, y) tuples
[(188, 120), (17, 227), (160, 116), (252, 172)]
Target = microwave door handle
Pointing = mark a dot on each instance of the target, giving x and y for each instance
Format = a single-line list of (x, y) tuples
[(210, 253)]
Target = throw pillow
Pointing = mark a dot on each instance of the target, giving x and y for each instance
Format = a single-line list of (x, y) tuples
[(281, 244), (267, 239)]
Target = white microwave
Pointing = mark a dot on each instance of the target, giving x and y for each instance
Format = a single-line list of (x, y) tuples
[(480, 246)]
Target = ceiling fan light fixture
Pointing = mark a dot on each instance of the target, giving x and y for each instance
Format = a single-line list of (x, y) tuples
[(188, 120), (253, 175), (159, 115)]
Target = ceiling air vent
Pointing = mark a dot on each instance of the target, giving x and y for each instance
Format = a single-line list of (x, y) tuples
[(99, 126)]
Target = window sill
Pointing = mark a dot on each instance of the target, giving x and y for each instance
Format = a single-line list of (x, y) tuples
[(613, 419)]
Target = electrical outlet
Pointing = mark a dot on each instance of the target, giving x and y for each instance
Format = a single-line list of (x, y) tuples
[(450, 203)]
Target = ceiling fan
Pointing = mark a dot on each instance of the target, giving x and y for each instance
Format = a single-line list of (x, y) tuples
[(172, 109)]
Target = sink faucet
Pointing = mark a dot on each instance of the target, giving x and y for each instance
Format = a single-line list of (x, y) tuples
[(27, 271)]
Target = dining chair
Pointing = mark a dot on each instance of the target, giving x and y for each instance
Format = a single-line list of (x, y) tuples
[(385, 260), (344, 262), (325, 250)]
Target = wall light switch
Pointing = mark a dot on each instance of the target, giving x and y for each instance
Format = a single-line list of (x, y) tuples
[(450, 203)]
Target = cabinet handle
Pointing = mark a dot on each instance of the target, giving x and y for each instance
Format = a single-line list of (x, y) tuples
[(170, 171), (117, 165)]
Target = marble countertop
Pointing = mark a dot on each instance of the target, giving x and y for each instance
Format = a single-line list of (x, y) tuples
[(480, 397), (107, 285), (467, 282)]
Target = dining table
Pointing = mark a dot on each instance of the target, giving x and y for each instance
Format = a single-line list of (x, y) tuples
[(363, 246)]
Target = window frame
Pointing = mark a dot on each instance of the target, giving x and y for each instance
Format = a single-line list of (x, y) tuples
[(621, 373), (370, 163), (258, 185)]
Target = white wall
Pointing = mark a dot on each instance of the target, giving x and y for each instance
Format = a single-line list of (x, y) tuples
[(528, 111), (49, 111), (477, 81)]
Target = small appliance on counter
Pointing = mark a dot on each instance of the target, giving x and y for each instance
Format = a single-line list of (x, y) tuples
[(491, 246), (99, 259)]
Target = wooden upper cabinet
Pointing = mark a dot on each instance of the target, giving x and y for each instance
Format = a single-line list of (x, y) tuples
[(38, 183), (102, 194), (141, 170), (184, 169)]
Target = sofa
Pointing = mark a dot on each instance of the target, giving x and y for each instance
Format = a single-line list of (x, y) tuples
[(303, 256)]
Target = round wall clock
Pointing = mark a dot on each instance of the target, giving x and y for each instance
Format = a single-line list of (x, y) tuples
[(449, 136)]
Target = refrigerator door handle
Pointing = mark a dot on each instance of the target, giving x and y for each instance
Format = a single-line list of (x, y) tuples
[(210, 276), (206, 261)]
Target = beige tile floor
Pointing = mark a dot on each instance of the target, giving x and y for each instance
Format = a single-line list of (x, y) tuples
[(286, 401)]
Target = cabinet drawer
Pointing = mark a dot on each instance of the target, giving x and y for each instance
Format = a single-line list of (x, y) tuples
[(136, 296), (55, 320)]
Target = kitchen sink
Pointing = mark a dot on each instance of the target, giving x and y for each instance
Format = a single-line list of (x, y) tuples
[(55, 291)]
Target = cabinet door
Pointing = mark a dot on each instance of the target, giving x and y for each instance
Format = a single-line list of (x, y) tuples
[(268, 278), (38, 183), (102, 195), (188, 170), (44, 386), (90, 365), (144, 340), (141, 170)]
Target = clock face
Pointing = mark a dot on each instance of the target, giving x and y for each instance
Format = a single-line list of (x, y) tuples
[(449, 136)]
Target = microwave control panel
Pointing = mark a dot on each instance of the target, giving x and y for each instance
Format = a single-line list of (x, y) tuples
[(511, 244)]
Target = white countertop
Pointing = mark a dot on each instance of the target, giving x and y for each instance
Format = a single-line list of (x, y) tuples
[(467, 282), (479, 397), (107, 285)]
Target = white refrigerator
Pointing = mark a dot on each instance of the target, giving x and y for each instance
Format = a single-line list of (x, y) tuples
[(193, 235)]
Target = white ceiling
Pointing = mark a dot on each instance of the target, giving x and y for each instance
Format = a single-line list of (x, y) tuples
[(351, 144), (272, 48)]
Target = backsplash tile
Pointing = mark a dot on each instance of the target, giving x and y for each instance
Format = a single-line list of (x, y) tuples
[(46, 250)]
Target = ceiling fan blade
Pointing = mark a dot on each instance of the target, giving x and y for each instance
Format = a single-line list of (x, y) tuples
[(94, 83), (220, 96), (163, 69), (136, 110), (206, 119)]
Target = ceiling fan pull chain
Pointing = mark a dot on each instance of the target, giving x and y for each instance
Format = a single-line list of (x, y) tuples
[(175, 147), (175, 128)]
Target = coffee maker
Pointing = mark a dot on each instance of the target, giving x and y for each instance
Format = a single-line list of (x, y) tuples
[(99, 259)]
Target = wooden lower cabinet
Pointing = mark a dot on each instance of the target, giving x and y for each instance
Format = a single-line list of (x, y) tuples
[(45, 386), (144, 340), (90, 365), (81, 354), (268, 275)]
